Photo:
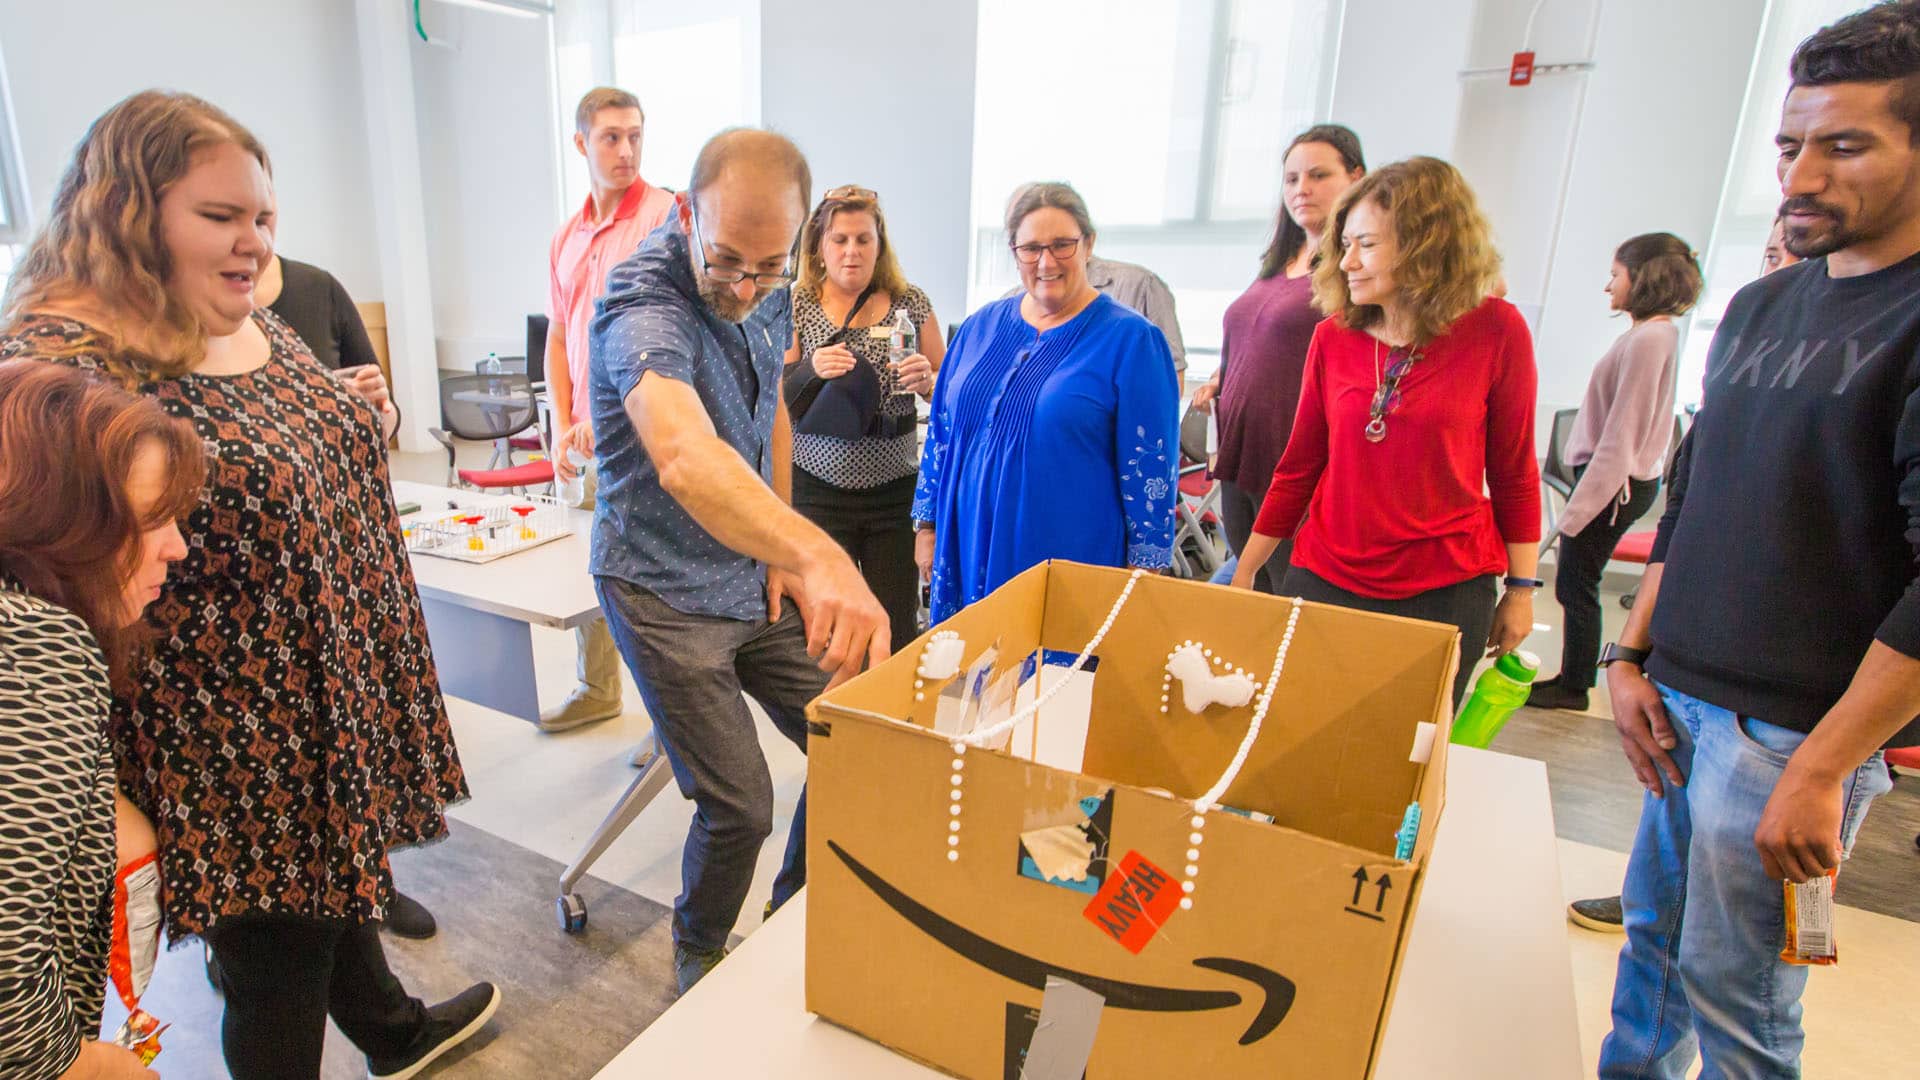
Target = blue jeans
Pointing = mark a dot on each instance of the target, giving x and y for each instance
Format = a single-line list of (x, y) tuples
[(1701, 968), (692, 671)]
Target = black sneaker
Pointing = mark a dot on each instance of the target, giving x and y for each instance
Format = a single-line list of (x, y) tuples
[(449, 1024), (1552, 695), (1601, 913), (692, 965), (409, 918)]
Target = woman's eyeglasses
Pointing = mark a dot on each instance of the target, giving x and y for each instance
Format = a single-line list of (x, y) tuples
[(1062, 249), (852, 191), (1386, 393)]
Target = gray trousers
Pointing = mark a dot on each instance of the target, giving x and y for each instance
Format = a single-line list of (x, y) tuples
[(692, 671)]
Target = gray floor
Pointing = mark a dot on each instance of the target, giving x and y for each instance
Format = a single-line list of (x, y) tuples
[(569, 1003)]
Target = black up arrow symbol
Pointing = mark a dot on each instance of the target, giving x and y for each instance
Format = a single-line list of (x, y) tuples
[(1359, 882), (1385, 883)]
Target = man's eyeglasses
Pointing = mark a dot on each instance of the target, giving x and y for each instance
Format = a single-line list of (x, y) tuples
[(1062, 249), (733, 275)]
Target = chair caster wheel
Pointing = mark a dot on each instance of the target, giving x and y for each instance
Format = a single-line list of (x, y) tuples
[(572, 912)]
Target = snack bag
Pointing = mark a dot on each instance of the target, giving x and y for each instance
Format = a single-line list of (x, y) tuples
[(135, 946), (1810, 936)]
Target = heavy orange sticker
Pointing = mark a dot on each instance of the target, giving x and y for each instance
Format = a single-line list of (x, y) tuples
[(1134, 903)]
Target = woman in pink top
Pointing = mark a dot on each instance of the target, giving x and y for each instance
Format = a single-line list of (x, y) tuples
[(1618, 446), (1263, 347)]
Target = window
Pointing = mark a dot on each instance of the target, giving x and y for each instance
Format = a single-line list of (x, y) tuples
[(1168, 117), (700, 63), (1750, 194), (15, 228)]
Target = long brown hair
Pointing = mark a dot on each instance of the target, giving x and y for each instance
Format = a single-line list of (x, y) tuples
[(1447, 264), (103, 237), (1288, 236), (887, 275), (68, 531)]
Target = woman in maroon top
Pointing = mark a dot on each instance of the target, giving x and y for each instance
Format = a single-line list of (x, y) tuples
[(1411, 458), (1264, 347), (286, 731)]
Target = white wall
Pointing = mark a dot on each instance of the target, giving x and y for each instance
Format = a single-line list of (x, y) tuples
[(487, 163), (288, 70), (904, 127), (1396, 78)]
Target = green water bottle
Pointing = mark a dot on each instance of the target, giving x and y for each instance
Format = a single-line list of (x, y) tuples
[(1498, 691)]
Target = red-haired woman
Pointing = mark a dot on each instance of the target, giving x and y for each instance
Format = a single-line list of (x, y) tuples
[(91, 482), (288, 730)]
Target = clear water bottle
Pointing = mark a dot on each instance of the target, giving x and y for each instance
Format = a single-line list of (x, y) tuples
[(1498, 691), (490, 366), (903, 342)]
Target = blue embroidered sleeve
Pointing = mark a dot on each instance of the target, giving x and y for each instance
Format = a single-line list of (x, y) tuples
[(1147, 447)]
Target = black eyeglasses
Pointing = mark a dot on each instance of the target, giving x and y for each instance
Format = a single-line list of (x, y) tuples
[(733, 275), (1386, 393), (1062, 249)]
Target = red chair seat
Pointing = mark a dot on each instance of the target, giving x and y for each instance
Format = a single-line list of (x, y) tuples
[(525, 442), (1196, 484), (1634, 547), (1907, 757), (532, 474)]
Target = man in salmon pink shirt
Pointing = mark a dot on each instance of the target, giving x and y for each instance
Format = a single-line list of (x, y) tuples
[(621, 209)]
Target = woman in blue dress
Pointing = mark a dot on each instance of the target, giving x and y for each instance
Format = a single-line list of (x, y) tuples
[(1055, 428)]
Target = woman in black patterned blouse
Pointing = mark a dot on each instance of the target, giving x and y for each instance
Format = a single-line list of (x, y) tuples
[(91, 481), (288, 730), (858, 486)]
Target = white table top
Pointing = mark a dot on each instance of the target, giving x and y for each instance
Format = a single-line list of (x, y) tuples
[(546, 585), (1486, 988)]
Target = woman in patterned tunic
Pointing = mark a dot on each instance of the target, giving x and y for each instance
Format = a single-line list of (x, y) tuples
[(1055, 424), (848, 295), (91, 480), (287, 731)]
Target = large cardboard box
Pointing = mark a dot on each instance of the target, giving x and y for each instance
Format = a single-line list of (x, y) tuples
[(932, 928)]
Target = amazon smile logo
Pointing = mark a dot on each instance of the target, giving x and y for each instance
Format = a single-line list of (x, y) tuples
[(1276, 989)]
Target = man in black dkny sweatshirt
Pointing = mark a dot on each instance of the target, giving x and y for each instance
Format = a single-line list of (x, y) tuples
[(1775, 647)]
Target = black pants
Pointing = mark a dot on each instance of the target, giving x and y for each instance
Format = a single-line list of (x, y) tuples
[(1576, 580), (285, 974), (1468, 605), (875, 526), (1238, 508)]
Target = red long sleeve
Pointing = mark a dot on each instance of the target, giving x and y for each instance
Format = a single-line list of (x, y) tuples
[(1413, 511)]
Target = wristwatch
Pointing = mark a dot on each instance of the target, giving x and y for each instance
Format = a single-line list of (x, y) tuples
[(1615, 651), (1523, 583)]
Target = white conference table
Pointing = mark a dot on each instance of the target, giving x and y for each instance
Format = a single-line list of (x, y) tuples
[(480, 615), (1486, 988)]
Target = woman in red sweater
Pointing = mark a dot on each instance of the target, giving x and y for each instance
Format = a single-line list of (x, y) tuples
[(1409, 483)]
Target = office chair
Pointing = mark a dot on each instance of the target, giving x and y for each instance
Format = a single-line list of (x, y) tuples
[(490, 408)]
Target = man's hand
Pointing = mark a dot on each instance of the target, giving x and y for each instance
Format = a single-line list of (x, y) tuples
[(1799, 831), (577, 437), (923, 554), (915, 374), (1207, 391), (1646, 734), (832, 361), (780, 584), (846, 626)]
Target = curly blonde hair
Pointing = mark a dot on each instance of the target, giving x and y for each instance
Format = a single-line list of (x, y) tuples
[(102, 240), (887, 275), (1446, 264)]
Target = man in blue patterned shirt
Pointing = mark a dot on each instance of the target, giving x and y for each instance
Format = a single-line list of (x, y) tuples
[(694, 543)]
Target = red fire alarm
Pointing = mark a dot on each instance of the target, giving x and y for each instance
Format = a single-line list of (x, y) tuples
[(1521, 73)]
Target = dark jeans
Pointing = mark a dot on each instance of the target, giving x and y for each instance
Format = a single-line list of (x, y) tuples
[(1238, 508), (285, 974), (1576, 580), (1468, 605), (875, 526), (692, 671)]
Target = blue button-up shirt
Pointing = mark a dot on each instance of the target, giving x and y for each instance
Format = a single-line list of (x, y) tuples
[(652, 319)]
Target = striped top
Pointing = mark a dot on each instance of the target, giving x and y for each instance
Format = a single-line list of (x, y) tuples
[(56, 836), (1054, 445)]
